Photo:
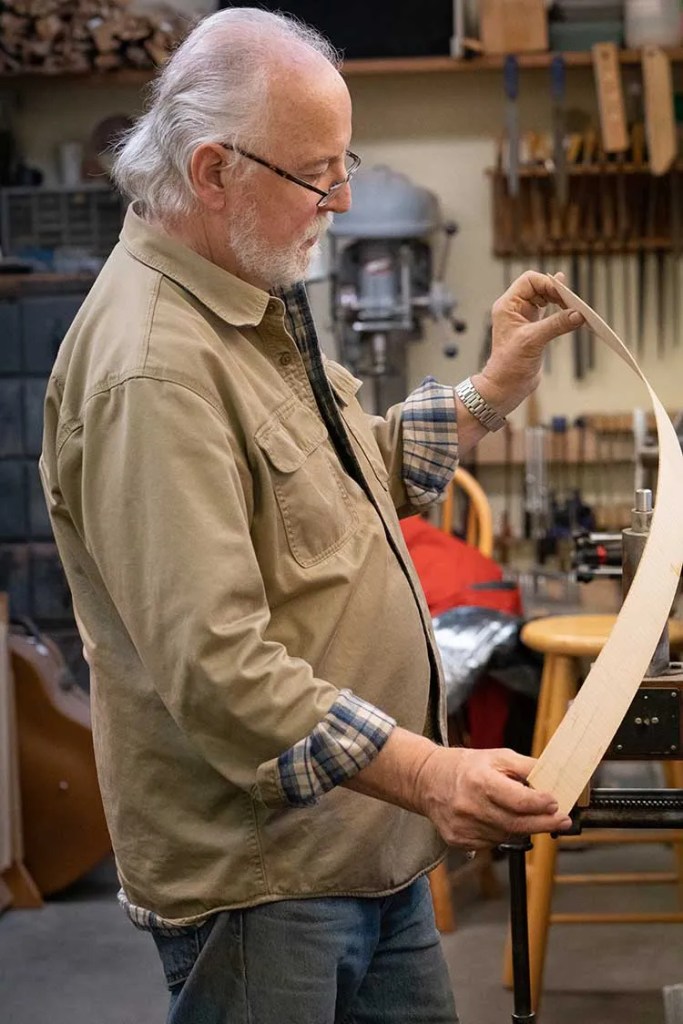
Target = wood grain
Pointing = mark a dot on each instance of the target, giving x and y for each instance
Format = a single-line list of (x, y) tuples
[(575, 750)]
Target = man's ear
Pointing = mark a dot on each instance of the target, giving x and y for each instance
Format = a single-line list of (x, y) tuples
[(208, 168)]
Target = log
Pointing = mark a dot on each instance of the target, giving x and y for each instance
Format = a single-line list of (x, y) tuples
[(51, 36), (49, 27)]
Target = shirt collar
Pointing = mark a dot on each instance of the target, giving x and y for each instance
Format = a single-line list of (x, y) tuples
[(233, 300)]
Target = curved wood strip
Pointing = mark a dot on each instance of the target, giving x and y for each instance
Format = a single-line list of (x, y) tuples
[(574, 752)]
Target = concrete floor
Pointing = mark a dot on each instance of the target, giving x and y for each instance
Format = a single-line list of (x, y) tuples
[(79, 961)]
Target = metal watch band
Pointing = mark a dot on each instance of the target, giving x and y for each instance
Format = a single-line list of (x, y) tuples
[(480, 409)]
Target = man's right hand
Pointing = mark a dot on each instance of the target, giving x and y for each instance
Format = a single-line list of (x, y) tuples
[(475, 798)]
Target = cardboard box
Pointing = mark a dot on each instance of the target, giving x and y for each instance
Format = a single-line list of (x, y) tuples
[(513, 26)]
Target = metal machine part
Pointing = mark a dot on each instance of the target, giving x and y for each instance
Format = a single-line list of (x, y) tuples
[(634, 539), (596, 554), (384, 284), (536, 500)]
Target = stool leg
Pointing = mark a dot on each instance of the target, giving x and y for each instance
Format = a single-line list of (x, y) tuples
[(441, 898), (541, 723), (673, 773), (559, 683), (540, 899)]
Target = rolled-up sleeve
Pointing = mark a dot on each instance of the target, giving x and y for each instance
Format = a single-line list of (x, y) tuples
[(349, 737), (430, 441), (165, 494)]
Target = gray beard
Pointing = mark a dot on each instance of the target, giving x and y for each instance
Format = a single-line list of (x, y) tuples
[(257, 258)]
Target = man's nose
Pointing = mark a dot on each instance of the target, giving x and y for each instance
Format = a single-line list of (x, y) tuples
[(340, 202)]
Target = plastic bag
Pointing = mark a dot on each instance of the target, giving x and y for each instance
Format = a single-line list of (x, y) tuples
[(477, 642)]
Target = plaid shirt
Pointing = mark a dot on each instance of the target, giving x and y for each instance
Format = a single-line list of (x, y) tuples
[(353, 731)]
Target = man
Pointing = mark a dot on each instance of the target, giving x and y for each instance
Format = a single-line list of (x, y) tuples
[(267, 706)]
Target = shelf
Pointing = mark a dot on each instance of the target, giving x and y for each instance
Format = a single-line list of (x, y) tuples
[(595, 170), (379, 66), (491, 62)]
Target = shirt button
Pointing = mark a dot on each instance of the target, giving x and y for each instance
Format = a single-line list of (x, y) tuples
[(284, 359)]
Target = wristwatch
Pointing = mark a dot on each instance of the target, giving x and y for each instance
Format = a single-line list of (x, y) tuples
[(479, 407)]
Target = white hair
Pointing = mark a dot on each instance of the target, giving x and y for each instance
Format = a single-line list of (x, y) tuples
[(213, 89)]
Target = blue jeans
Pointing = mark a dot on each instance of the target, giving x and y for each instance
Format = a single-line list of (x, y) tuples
[(318, 961)]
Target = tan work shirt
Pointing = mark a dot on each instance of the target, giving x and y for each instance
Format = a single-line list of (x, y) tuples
[(229, 579)]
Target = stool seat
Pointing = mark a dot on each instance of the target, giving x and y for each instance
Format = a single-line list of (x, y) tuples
[(580, 636)]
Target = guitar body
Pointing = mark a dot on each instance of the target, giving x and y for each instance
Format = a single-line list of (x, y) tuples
[(64, 830)]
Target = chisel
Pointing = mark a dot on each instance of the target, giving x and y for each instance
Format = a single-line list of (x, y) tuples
[(645, 226), (614, 135), (511, 84), (675, 252), (661, 269), (557, 87), (660, 128), (589, 236)]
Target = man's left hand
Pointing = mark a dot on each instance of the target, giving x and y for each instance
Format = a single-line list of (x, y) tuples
[(519, 336)]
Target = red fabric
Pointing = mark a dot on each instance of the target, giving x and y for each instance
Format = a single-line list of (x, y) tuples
[(488, 709), (447, 568)]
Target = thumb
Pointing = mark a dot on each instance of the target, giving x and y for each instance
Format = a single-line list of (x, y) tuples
[(553, 326)]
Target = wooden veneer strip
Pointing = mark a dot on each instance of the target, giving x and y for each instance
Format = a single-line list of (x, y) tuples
[(579, 744)]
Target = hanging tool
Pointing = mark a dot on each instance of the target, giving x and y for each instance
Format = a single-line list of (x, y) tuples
[(660, 121), (588, 237), (645, 224), (590, 142), (660, 130), (660, 253), (675, 198), (511, 85), (610, 97), (572, 235), (608, 231), (623, 223), (537, 197), (557, 88), (502, 209), (615, 142)]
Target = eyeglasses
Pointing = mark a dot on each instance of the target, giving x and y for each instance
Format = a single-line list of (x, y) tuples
[(352, 163)]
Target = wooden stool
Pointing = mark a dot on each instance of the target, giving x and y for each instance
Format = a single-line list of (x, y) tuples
[(563, 639)]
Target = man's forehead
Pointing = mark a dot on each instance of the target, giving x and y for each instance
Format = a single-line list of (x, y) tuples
[(310, 112)]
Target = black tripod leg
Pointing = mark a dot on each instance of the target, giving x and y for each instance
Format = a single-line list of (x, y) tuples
[(519, 926)]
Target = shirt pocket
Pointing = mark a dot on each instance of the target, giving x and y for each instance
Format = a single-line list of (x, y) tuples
[(315, 505)]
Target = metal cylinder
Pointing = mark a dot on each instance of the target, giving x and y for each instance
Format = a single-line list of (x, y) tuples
[(634, 539)]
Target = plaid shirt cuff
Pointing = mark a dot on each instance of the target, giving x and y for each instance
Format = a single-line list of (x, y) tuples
[(430, 441), (349, 737)]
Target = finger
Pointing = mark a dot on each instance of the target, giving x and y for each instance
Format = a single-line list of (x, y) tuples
[(544, 331), (533, 284), (516, 798), (528, 826)]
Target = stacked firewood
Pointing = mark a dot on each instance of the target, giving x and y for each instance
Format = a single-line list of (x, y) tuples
[(58, 36)]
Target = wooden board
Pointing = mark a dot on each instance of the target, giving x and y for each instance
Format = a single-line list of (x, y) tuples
[(660, 119), (610, 98), (16, 885), (579, 744)]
